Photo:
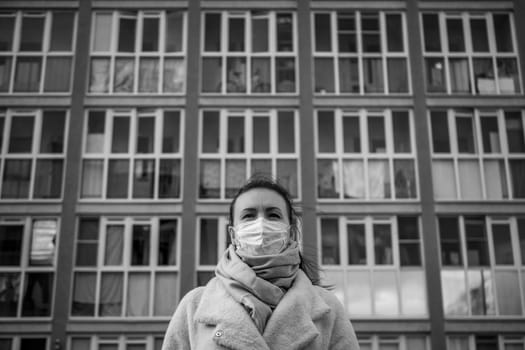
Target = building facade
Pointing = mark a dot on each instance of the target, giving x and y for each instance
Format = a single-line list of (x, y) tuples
[(126, 127)]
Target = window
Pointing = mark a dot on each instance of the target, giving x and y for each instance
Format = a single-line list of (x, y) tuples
[(212, 241), (138, 52), (470, 53), (375, 265), (478, 154), (32, 342), (126, 267), (235, 144), (360, 53), (488, 341), (481, 271), (132, 154), (33, 154), (394, 342), (27, 266), (36, 51), (114, 342), (365, 155), (249, 52)]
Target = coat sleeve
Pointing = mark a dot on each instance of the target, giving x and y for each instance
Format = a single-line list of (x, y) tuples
[(180, 329), (343, 335)]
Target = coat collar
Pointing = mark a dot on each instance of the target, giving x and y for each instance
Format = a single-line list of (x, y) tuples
[(287, 327)]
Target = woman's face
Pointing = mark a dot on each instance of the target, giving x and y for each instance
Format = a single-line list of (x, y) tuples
[(260, 202)]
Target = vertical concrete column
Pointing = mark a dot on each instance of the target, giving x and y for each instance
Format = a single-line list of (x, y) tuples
[(66, 242), (190, 172), (424, 162), (519, 15), (306, 128)]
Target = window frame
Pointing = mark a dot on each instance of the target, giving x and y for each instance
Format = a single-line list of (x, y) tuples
[(222, 240)]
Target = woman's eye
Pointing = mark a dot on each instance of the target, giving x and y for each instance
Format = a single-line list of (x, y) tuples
[(274, 216)]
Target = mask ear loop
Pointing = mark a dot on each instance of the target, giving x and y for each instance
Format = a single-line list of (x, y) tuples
[(231, 232)]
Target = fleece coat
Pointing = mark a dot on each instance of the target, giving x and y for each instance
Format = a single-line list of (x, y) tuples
[(308, 317)]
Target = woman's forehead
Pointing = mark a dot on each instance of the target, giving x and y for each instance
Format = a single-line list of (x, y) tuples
[(259, 198)]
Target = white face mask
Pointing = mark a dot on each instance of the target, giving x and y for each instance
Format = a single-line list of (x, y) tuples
[(261, 236)]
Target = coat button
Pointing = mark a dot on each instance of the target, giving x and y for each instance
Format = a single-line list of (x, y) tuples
[(219, 333)]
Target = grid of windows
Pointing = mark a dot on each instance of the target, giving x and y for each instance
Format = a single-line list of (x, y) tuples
[(365, 155), (483, 265), (36, 51), (27, 266), (249, 52), (361, 52), (375, 264), (485, 342), (126, 267), (237, 143), (23, 343), (470, 53), (393, 342), (132, 154), (478, 154), (32, 153), (115, 342), (138, 52), (212, 241)]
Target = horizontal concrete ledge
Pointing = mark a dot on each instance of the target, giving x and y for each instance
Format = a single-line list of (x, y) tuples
[(395, 325), (43, 4), (13, 209), (250, 101), (25, 327), (361, 101), (492, 102), (248, 4), (467, 5), (130, 326), (27, 102), (135, 101), (152, 4), (491, 326), (367, 208), (491, 208), (126, 208), (342, 4)]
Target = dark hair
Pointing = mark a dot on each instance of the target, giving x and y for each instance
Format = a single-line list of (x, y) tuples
[(308, 264)]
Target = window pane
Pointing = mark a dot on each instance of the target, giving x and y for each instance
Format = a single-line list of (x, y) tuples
[(335, 279), (124, 75), (110, 303), (440, 136), (478, 30), (118, 177), (508, 78), (210, 179), (92, 178), (409, 250), (322, 32), (58, 74), (261, 75), (286, 130), (353, 179), (145, 134), (371, 41), (373, 74), (376, 135), (359, 294), (328, 185), (477, 245), (287, 175), (84, 294), (150, 34), (469, 179), (521, 237), (33, 344), (21, 136), (140, 250), (517, 169), (7, 28), (209, 240), (144, 178), (435, 74), (211, 74), (351, 134), (330, 242), (450, 242), (459, 75), (284, 32), (285, 74), (167, 249), (394, 32), (174, 75), (38, 294), (236, 135), (405, 178), (503, 33), (48, 178), (86, 252), (507, 285), (166, 287), (495, 179), (486, 342), (5, 73), (138, 294), (235, 176), (262, 166), (261, 135), (27, 76), (480, 289), (32, 33), (236, 34), (490, 134), (169, 178), (17, 175), (413, 294), (149, 75), (52, 138), (114, 245), (171, 132), (346, 26), (515, 135), (11, 245), (454, 292), (502, 244), (212, 36), (236, 76), (379, 179), (348, 75), (203, 277), (99, 78), (260, 31), (62, 31), (456, 41), (397, 75), (9, 290), (465, 134), (383, 244), (174, 22), (431, 32), (326, 131), (126, 37), (356, 244), (324, 75), (102, 26), (386, 300), (401, 127), (120, 140)]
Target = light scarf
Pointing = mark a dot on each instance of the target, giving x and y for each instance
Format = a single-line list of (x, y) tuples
[(258, 283)]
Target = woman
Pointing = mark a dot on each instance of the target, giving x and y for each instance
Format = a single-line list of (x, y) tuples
[(264, 294)]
